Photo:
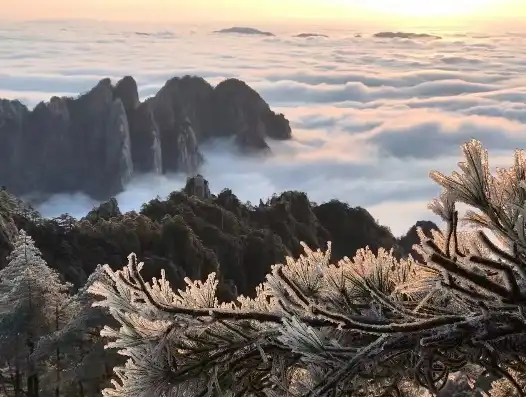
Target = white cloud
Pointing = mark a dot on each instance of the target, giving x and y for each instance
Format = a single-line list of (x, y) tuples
[(370, 117)]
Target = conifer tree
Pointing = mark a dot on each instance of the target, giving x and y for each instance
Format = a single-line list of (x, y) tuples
[(30, 295), (85, 365)]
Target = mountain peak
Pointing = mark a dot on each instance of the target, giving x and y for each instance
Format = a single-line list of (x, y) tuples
[(106, 135)]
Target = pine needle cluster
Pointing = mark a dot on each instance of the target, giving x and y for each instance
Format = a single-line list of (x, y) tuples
[(370, 325)]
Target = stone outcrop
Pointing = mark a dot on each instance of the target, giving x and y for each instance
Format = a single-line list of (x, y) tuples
[(96, 142), (107, 210), (239, 108), (197, 186)]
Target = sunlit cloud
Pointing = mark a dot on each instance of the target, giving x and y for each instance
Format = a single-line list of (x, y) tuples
[(370, 117)]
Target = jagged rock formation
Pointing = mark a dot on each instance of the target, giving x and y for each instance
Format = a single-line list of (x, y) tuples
[(143, 129), (66, 144), (194, 232), (96, 142), (253, 123), (245, 30), (405, 35), (107, 210), (197, 186)]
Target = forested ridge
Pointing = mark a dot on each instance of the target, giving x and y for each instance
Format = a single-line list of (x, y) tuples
[(190, 234), (259, 311), (193, 232)]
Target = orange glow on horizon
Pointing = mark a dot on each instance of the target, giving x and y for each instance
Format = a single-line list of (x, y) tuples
[(269, 10)]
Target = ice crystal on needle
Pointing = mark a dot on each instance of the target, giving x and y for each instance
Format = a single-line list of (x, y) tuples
[(370, 325)]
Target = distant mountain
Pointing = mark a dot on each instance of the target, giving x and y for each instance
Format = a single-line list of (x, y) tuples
[(245, 30), (408, 240), (96, 142), (307, 35), (404, 35)]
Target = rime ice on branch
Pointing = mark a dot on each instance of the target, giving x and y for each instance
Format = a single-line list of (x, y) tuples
[(371, 325)]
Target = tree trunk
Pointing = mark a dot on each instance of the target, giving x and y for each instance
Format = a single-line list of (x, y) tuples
[(36, 383), (29, 375), (30, 386), (32, 377), (57, 387), (18, 383), (4, 388), (9, 382), (81, 388)]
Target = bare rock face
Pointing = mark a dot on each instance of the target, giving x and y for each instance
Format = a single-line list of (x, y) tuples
[(67, 144), (145, 140), (118, 148), (239, 110), (197, 186), (96, 142), (195, 102), (176, 107), (97, 132), (107, 210), (12, 119), (126, 89), (189, 156)]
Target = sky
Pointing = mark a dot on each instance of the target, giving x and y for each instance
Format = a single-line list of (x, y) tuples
[(370, 117), (345, 11)]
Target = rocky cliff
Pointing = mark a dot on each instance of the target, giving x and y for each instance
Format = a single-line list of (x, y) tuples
[(96, 142)]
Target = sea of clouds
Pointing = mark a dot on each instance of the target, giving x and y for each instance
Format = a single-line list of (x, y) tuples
[(370, 117)]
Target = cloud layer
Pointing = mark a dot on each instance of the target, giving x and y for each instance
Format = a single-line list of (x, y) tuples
[(371, 117)]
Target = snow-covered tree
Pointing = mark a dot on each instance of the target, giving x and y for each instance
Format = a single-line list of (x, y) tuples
[(31, 295), (367, 326), (85, 365), (10, 204)]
